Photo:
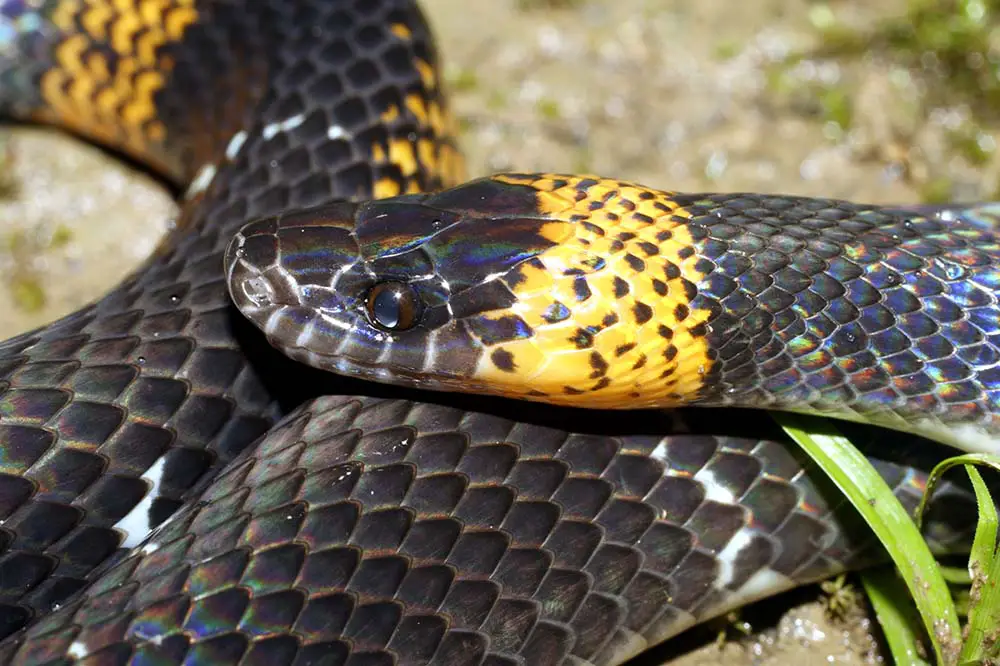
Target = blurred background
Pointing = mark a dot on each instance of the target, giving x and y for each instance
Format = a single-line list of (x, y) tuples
[(895, 101)]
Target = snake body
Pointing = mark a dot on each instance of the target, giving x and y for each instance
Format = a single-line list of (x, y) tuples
[(374, 531), (358, 530)]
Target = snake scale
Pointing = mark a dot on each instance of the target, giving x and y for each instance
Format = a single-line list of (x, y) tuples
[(173, 490)]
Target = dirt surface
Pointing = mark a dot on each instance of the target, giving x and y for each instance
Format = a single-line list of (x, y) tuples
[(676, 95), (73, 223)]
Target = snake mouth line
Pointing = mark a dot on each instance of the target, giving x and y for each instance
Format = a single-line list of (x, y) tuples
[(303, 351)]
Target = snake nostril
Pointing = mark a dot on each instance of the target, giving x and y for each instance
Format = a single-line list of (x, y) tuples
[(258, 291)]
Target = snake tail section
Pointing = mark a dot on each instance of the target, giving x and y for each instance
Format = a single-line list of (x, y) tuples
[(385, 532), (592, 292), (110, 415), (113, 71), (171, 82)]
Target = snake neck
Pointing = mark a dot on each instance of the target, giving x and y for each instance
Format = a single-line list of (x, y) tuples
[(810, 305)]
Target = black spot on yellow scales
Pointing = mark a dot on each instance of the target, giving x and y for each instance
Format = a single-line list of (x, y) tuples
[(610, 345), (411, 157)]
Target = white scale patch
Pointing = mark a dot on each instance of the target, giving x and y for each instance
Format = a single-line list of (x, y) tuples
[(763, 583), (201, 181), (235, 144), (715, 490), (660, 453), (728, 556), (136, 524), (970, 437), (290, 123), (76, 650)]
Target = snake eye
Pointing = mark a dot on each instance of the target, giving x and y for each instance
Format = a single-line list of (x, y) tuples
[(393, 306)]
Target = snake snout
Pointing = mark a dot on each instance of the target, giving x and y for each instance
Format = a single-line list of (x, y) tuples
[(297, 276), (255, 279)]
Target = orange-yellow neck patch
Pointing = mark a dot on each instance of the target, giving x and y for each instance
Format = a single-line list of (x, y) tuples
[(609, 306)]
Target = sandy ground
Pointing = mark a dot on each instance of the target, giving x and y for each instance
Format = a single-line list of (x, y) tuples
[(673, 94)]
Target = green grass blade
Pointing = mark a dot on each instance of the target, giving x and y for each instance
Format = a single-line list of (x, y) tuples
[(893, 610), (985, 542), (984, 566), (939, 470), (868, 492)]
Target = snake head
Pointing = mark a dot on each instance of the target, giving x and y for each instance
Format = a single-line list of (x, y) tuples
[(568, 290), (401, 291)]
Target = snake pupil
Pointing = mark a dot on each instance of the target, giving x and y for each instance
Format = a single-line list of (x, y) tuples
[(393, 306)]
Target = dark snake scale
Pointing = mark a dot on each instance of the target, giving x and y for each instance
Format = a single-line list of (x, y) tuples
[(173, 490)]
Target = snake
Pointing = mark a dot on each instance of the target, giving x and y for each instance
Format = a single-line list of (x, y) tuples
[(175, 489)]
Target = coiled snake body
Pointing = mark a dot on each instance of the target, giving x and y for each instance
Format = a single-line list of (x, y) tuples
[(358, 530)]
